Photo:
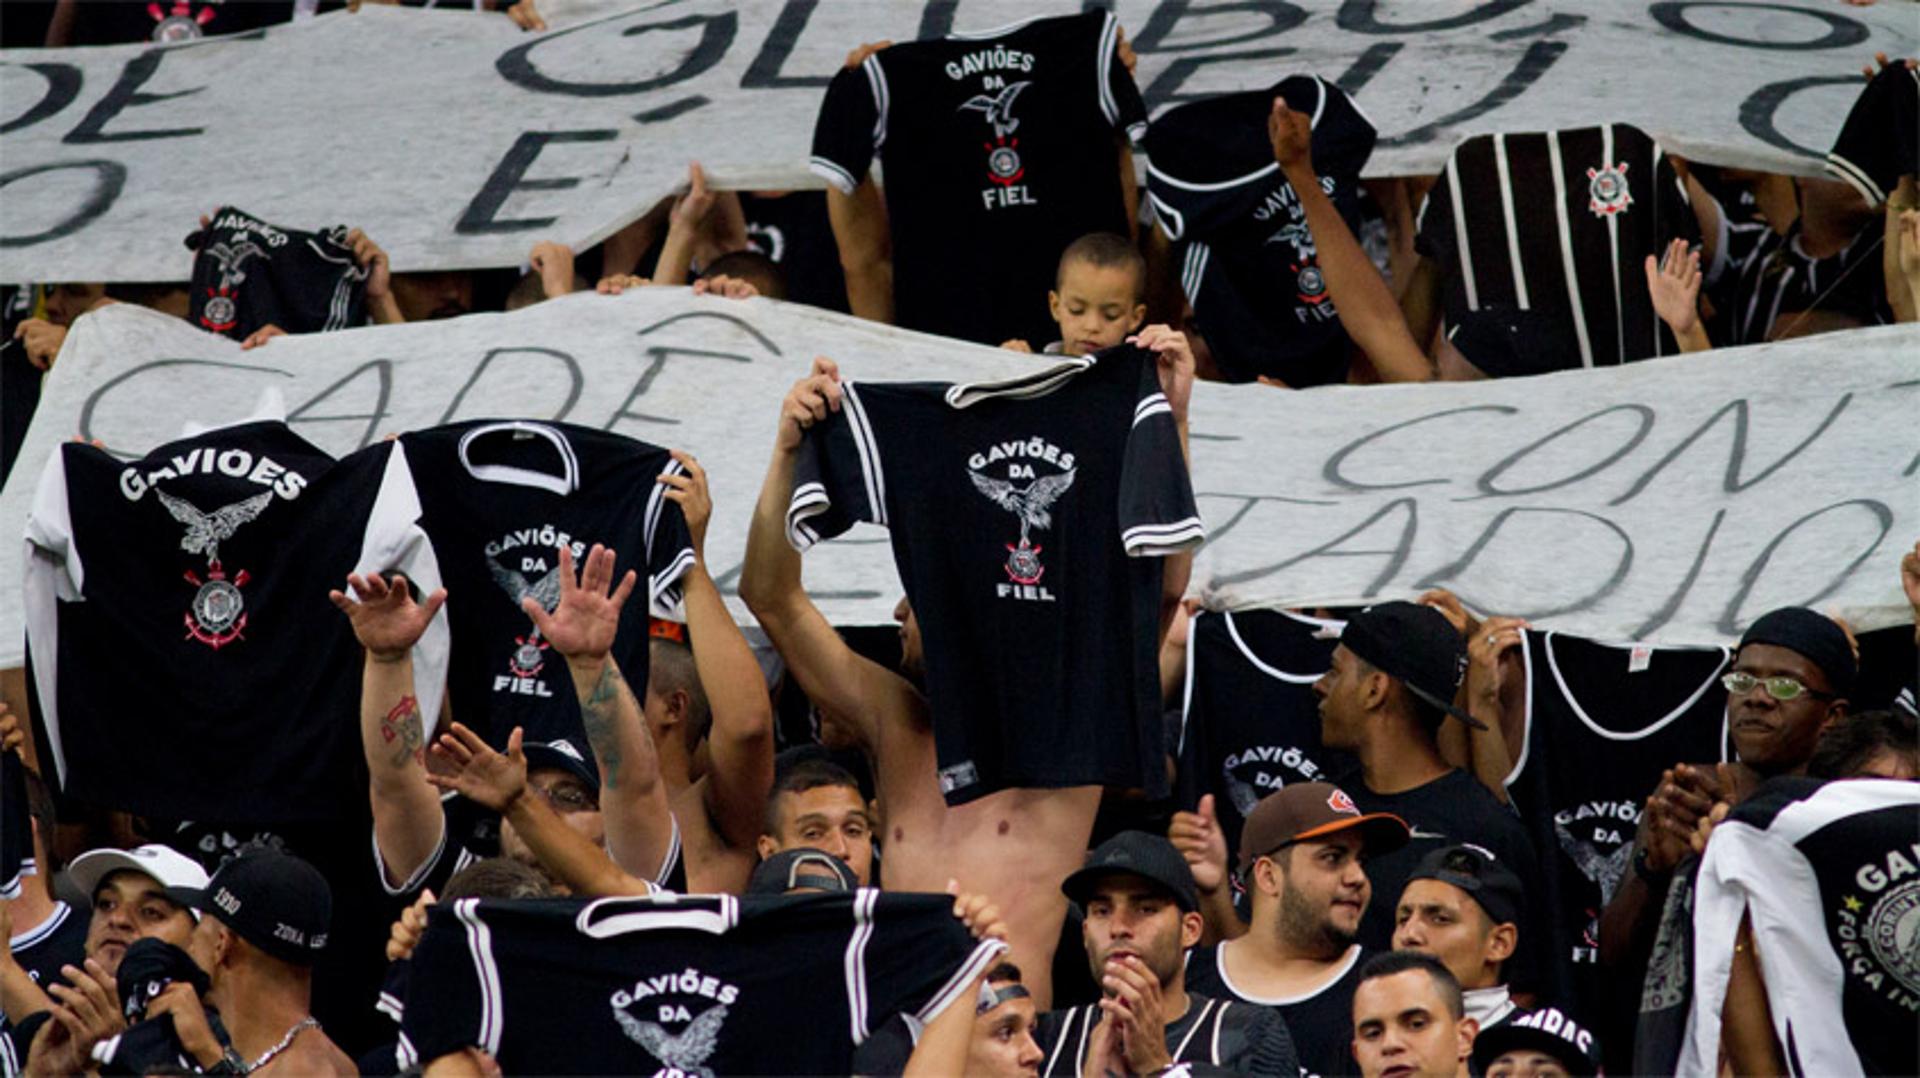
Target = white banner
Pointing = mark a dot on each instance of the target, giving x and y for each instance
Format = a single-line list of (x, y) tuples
[(1671, 500), (457, 141)]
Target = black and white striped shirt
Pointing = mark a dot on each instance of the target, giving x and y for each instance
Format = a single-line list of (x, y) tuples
[(1759, 275)]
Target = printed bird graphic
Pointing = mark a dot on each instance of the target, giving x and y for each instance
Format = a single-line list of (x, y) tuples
[(206, 530), (232, 256), (999, 109), (1606, 870), (1030, 504), (545, 591), (689, 1050)]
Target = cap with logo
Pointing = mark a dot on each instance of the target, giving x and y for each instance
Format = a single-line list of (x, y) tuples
[(1306, 811), (163, 864), (1548, 1031), (561, 754), (1475, 870), (273, 900), (1136, 853), (802, 867), (1417, 645)]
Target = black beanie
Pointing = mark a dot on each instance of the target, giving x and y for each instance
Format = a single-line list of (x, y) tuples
[(1811, 634)]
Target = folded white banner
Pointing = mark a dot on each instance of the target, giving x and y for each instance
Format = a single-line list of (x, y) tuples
[(1669, 500), (456, 140)]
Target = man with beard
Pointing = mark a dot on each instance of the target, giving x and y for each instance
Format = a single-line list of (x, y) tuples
[(1303, 853), (1142, 913)]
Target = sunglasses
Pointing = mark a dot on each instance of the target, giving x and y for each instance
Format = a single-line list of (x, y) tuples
[(1780, 687)]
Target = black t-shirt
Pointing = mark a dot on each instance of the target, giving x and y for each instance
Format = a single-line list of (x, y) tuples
[(1451, 809), (1759, 275), (793, 230), (248, 274), (1560, 222), (1880, 142), (186, 661), (1320, 1022), (1248, 262), (497, 498), (1252, 722), (708, 984), (1245, 1040), (1601, 723), (116, 22), (41, 950), (1000, 149), (1027, 518)]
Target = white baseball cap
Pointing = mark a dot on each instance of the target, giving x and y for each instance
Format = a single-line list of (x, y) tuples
[(164, 864)]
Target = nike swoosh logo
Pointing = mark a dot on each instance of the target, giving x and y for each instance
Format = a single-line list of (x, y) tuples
[(1417, 833)]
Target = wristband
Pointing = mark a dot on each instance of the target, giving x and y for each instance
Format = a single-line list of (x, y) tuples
[(1646, 872)]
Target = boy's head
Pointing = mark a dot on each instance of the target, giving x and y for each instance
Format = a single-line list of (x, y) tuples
[(1098, 293)]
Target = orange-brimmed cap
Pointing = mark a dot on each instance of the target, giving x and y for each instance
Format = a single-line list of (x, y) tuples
[(1306, 811)]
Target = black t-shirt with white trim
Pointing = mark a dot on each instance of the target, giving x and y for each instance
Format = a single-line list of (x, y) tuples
[(248, 274), (1027, 520), (1560, 222), (41, 950), (1880, 141), (1246, 1040), (1320, 1022), (1000, 149), (709, 984), (1759, 275), (1249, 265)]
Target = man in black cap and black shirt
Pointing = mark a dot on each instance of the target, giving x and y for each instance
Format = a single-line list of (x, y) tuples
[(1392, 684), (1462, 906), (1302, 853), (1142, 913), (267, 920)]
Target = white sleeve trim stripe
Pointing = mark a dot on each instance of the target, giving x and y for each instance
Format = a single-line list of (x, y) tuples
[(1136, 131), (1172, 222), (1856, 176), (391, 1006), (830, 171), (877, 80), (1194, 274), (664, 589), (406, 1054), (419, 875), (656, 504), (977, 963), (854, 963), (1103, 68), (671, 859), (1159, 543), (869, 449), (800, 534), (1152, 406), (486, 971), (1186, 692)]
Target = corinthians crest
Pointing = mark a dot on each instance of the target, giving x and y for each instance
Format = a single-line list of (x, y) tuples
[(1031, 504), (530, 655), (220, 313), (218, 611), (1607, 192)]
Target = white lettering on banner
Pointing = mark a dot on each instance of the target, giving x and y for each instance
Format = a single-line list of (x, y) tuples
[(106, 153), (1668, 501)]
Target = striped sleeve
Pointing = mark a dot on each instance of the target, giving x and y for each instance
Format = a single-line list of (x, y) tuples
[(852, 125), (669, 549), (839, 479), (1157, 513), (456, 975)]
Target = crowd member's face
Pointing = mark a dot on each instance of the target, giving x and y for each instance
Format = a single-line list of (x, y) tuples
[(66, 302), (830, 818), (1095, 306), (424, 297), (576, 802), (1127, 915), (1402, 1028), (1441, 920), (1889, 763), (128, 906), (1525, 1064), (912, 659), (1003, 1044), (1777, 736), (1323, 892), (1342, 692)]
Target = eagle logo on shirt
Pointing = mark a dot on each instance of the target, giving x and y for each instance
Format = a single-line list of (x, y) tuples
[(527, 659), (998, 108), (687, 1051), (1605, 870), (1031, 505), (1004, 167), (217, 613), (206, 530)]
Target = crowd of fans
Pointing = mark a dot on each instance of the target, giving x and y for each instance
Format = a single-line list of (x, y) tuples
[(1396, 906)]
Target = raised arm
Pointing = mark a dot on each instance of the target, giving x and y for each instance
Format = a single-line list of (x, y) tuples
[(467, 766), (740, 742), (408, 823), (866, 249), (633, 800), (1673, 283), (1365, 304), (1176, 371), (837, 679)]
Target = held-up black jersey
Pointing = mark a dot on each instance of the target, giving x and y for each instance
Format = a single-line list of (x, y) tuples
[(248, 274), (186, 661), (1252, 722), (1830, 875), (1248, 262), (498, 498), (1320, 1021), (1601, 723), (1880, 142), (1560, 222), (1246, 1040), (1026, 519), (1000, 149), (708, 984)]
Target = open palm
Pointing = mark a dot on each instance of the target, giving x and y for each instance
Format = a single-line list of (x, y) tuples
[(583, 624), (385, 618)]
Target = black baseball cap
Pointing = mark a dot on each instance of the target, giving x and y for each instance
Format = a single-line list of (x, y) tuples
[(561, 754), (273, 900), (1137, 853), (1475, 870), (1549, 1031), (802, 866), (1417, 645)]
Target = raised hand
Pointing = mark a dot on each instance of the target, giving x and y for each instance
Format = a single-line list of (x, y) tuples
[(809, 401), (1674, 284), (42, 340), (466, 765), (722, 285), (1487, 649), (1290, 134), (261, 336), (690, 493), (978, 913), (554, 263), (1198, 837), (620, 282), (386, 620), (1176, 363), (369, 255), (582, 626), (405, 934)]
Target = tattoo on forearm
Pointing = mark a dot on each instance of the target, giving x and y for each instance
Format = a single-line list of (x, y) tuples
[(599, 713), (402, 732)]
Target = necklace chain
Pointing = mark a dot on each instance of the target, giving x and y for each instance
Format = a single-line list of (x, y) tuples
[(266, 1057)]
